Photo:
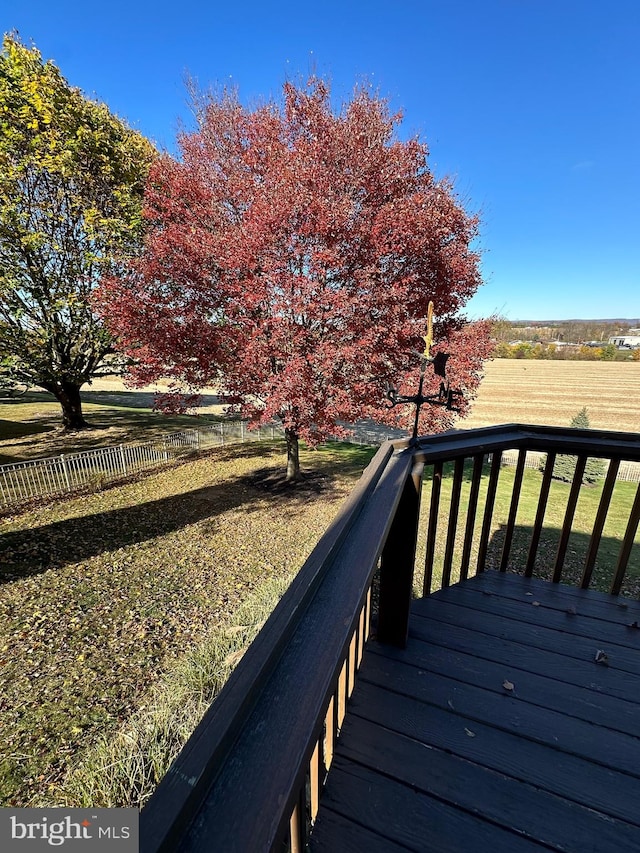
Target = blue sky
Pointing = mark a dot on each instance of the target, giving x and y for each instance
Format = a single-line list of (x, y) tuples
[(532, 106)]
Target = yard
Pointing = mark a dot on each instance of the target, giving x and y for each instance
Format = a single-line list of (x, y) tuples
[(123, 611), (30, 425), (109, 600)]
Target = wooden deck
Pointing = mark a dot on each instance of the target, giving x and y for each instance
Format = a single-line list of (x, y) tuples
[(495, 729)]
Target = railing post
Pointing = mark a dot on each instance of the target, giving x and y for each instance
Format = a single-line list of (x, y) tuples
[(122, 460), (397, 564), (65, 471)]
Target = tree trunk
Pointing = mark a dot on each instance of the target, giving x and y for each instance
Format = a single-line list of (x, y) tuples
[(293, 455), (68, 395)]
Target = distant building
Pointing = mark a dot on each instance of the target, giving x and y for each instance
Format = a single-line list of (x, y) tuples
[(630, 341)]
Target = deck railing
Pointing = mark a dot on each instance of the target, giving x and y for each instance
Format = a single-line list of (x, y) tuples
[(489, 538), (250, 777)]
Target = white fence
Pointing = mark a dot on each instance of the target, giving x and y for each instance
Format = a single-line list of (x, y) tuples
[(628, 471), (23, 481)]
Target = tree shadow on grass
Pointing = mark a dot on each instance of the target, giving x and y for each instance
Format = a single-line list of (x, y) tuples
[(16, 429), (604, 568), (136, 399), (30, 552)]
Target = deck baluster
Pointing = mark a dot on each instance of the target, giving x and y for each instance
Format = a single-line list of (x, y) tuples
[(453, 521), (492, 488), (476, 477), (298, 825), (539, 521), (627, 545), (513, 510), (436, 486), (598, 525), (581, 464), (330, 727)]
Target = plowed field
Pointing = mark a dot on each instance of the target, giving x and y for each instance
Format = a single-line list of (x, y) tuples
[(552, 392)]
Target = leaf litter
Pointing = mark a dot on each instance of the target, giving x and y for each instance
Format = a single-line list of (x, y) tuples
[(103, 593)]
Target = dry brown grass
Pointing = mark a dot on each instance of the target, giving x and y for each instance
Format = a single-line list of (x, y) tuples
[(552, 392)]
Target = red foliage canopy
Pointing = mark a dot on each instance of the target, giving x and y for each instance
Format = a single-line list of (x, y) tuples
[(291, 256)]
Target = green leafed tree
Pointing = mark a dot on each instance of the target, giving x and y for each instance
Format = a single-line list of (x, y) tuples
[(565, 466), (71, 186)]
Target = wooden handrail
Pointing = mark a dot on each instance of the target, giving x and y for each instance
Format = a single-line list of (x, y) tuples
[(236, 783), (583, 442)]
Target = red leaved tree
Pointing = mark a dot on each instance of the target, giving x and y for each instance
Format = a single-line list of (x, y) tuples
[(291, 256)]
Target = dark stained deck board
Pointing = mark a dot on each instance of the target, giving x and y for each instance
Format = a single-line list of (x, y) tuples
[(569, 698), (510, 712), (435, 754), (548, 663), (523, 609), (337, 833), (410, 818), (473, 788), (561, 773), (538, 635), (617, 609)]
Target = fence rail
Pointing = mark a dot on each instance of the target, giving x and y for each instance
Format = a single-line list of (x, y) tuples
[(37, 478), (628, 471)]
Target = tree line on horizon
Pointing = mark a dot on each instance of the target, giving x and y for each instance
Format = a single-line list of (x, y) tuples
[(568, 331), (551, 351), (575, 340), (288, 255)]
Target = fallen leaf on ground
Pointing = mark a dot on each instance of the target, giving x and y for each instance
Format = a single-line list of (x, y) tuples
[(601, 658), (234, 657), (470, 733), (508, 685), (535, 604)]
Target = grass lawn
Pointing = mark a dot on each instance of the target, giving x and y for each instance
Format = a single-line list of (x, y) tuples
[(30, 426), (104, 596), (610, 544), (122, 612)]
